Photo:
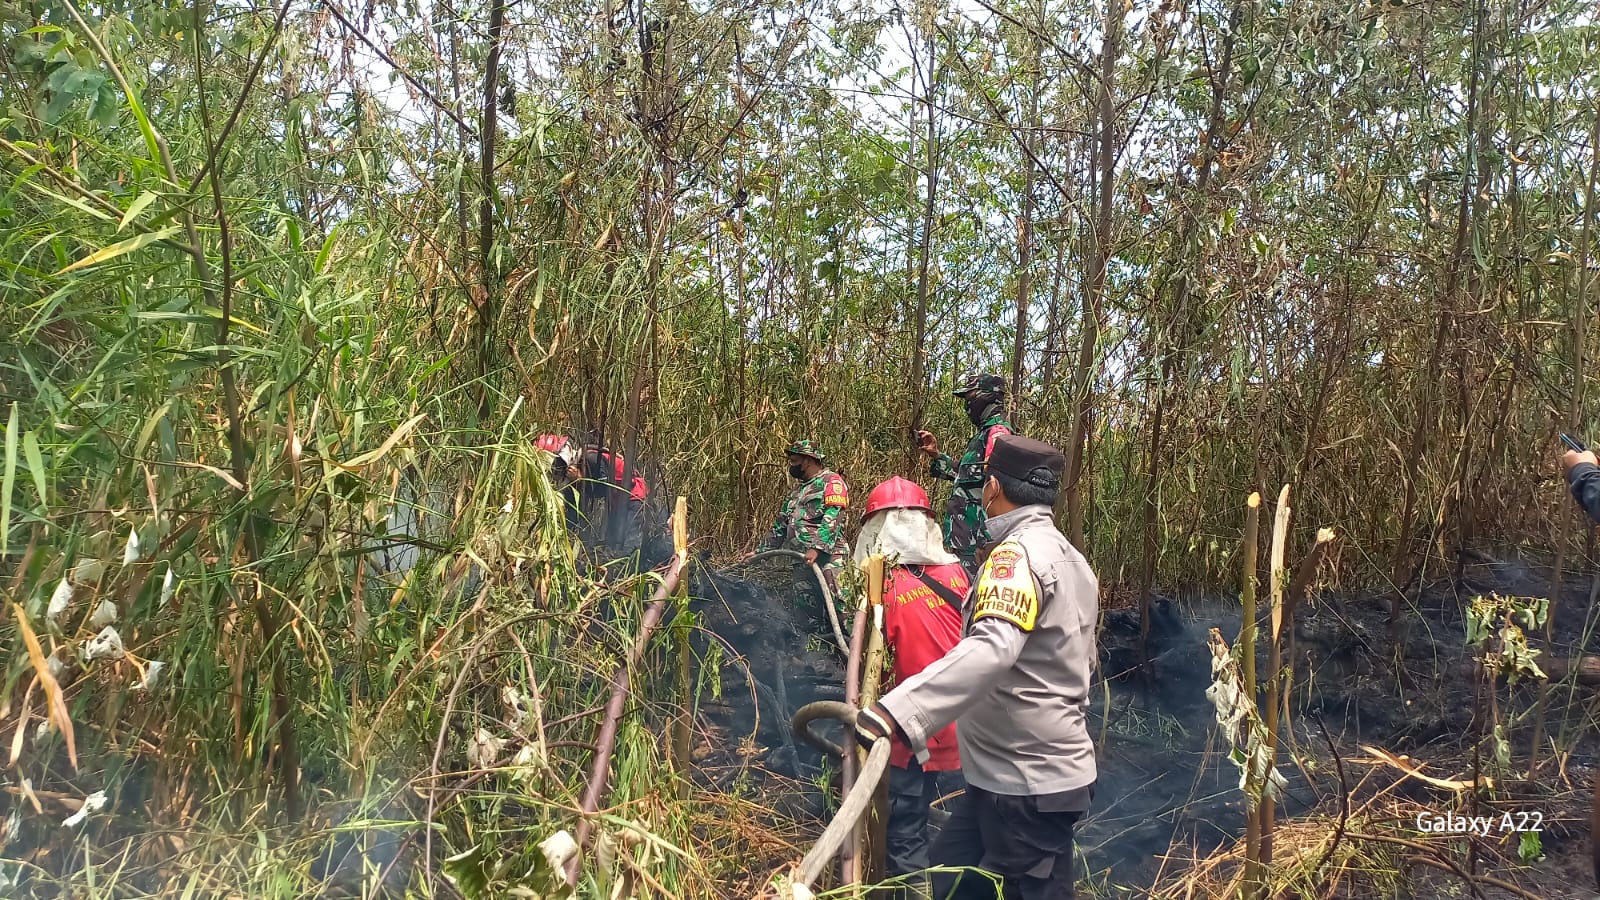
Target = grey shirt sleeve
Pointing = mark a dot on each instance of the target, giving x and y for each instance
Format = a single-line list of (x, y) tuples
[(933, 698)]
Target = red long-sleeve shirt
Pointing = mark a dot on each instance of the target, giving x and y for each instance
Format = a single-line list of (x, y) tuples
[(638, 490), (919, 628)]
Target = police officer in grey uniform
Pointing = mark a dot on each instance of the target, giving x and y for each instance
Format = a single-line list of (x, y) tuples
[(1017, 685)]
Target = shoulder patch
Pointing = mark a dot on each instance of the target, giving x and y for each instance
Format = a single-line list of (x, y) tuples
[(996, 431), (835, 493), (1006, 589)]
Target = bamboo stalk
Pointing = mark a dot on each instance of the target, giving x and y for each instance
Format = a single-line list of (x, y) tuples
[(1291, 601), (852, 696), (606, 741), (680, 724), (1247, 660), (870, 834), (1280, 536)]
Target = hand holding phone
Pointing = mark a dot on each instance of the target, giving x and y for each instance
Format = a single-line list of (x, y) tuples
[(1576, 453)]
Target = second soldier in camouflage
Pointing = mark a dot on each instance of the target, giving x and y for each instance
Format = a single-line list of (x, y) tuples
[(964, 522), (811, 521)]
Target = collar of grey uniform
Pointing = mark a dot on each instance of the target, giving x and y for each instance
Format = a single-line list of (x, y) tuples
[(1002, 526)]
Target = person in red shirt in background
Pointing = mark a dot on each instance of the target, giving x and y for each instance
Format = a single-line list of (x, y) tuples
[(594, 473), (566, 468), (923, 592), (603, 471), (615, 465)]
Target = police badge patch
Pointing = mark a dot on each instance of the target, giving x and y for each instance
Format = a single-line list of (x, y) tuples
[(1006, 589), (1003, 562)]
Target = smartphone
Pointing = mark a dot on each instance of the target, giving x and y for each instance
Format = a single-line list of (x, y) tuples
[(1572, 442)]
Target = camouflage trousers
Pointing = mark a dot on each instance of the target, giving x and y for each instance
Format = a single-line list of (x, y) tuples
[(813, 616), (966, 528)]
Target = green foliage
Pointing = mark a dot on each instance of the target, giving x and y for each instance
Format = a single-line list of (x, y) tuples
[(1507, 620), (1530, 847), (72, 77), (1329, 264)]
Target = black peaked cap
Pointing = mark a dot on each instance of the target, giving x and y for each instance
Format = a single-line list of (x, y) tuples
[(1026, 459)]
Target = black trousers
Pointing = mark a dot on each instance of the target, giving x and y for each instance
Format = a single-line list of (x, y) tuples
[(911, 794), (1023, 846)]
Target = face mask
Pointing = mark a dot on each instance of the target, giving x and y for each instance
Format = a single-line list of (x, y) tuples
[(797, 472), (977, 407), (985, 497)]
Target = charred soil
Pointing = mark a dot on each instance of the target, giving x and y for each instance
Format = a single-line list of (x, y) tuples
[(1168, 813)]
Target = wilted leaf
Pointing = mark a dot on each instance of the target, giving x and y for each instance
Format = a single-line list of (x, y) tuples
[(468, 873), (54, 700), (105, 645), (558, 848), (484, 749), (104, 614), (91, 804), (152, 675), (87, 571), (136, 242), (372, 456), (59, 600), (527, 761)]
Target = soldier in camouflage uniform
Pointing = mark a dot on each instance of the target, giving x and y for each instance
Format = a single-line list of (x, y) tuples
[(964, 522), (811, 521)]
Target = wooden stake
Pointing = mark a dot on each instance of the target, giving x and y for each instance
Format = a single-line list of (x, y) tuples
[(680, 527), (852, 697), (1291, 600), (680, 723), (1280, 536), (1247, 660), (870, 860)]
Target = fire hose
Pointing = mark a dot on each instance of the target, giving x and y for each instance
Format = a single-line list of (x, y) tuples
[(863, 667), (858, 797), (847, 832), (800, 725), (822, 583)]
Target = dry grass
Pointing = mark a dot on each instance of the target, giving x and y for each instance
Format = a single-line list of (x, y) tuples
[(1374, 848)]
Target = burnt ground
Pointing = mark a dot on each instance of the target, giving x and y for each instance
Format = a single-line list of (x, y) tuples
[(1167, 794), (782, 665)]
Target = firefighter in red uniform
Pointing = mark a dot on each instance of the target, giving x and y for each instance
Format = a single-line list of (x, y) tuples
[(566, 468), (604, 470), (923, 593)]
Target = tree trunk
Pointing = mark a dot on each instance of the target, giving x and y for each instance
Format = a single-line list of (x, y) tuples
[(1094, 301), (1025, 236), (917, 385), (489, 282)]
